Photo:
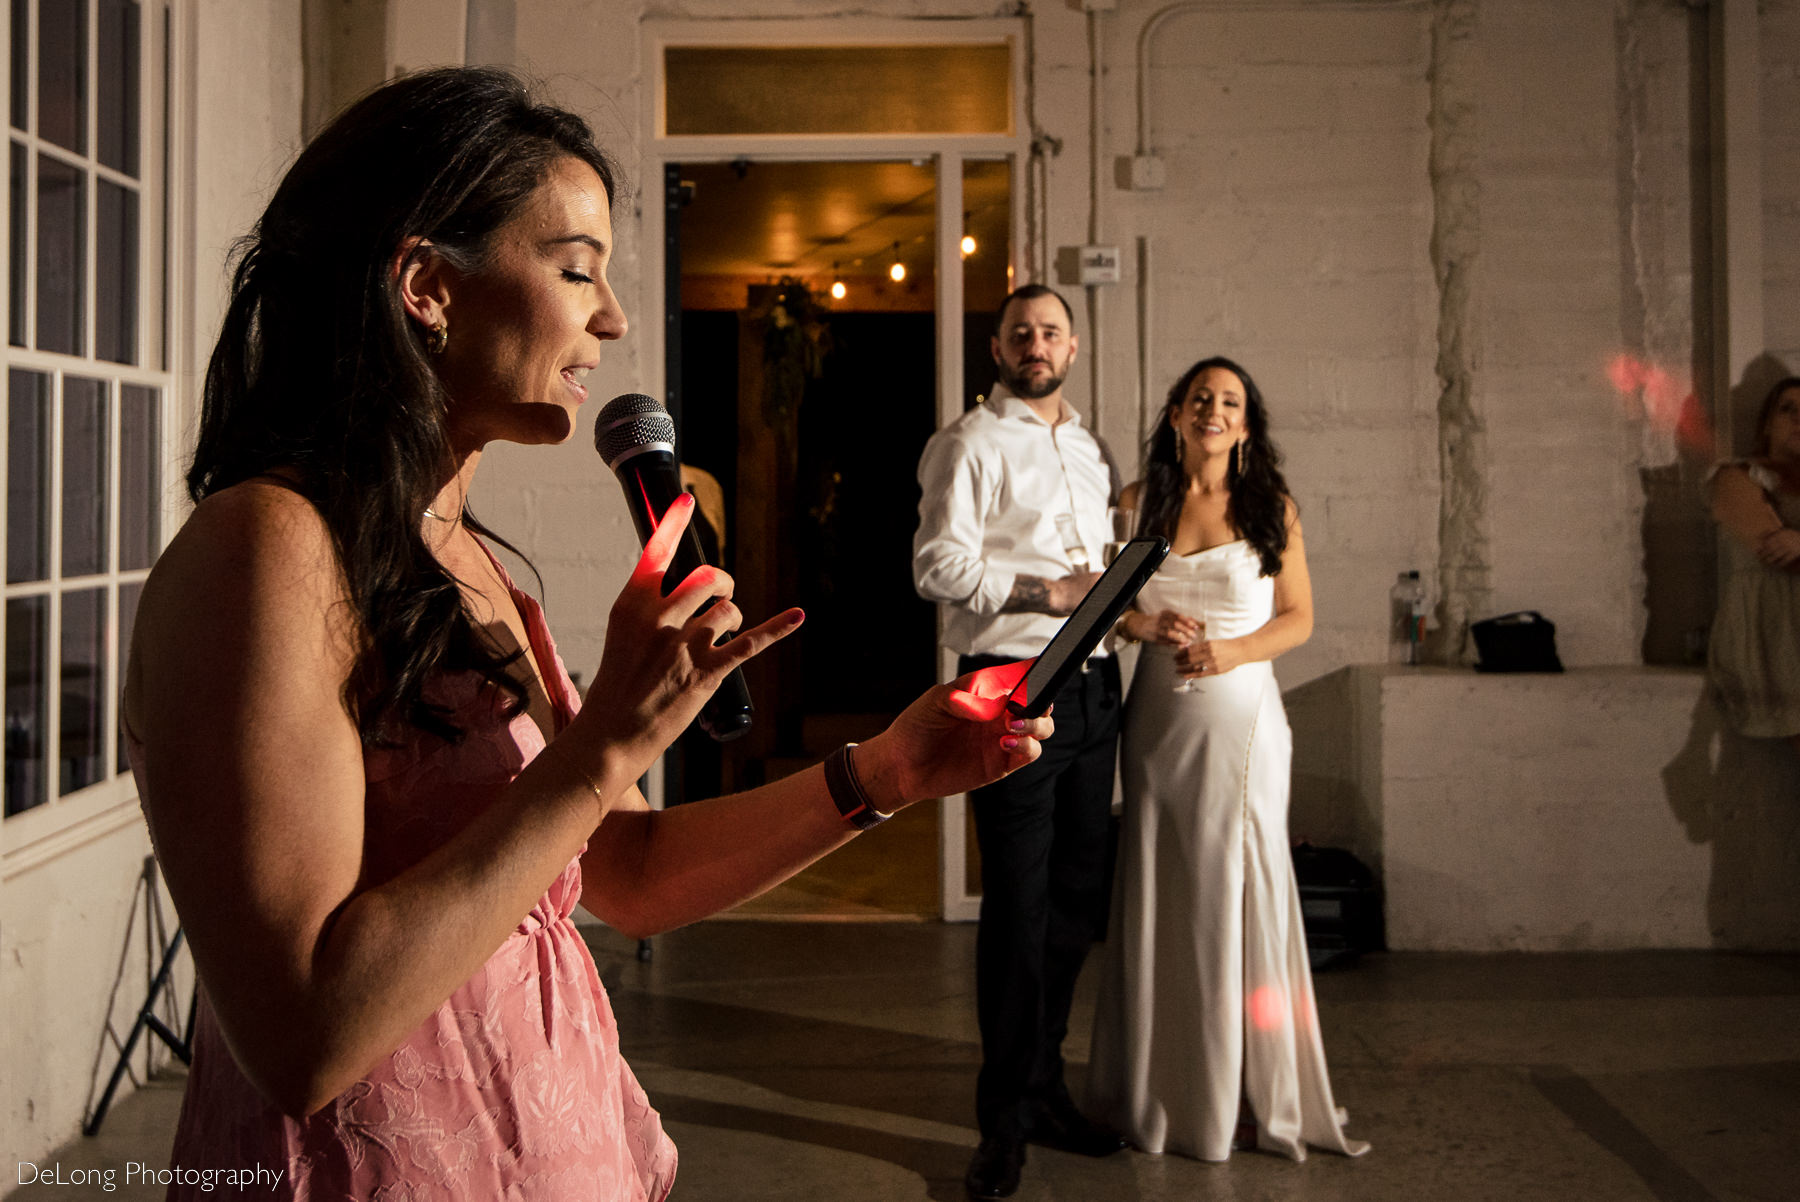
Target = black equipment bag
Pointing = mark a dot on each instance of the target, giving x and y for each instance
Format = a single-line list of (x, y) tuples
[(1524, 641), (1340, 905)]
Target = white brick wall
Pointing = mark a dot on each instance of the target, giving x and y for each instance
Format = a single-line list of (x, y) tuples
[(1295, 233), (1293, 236), (1601, 809), (1781, 179)]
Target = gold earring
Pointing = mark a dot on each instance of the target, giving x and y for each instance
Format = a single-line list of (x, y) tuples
[(437, 337)]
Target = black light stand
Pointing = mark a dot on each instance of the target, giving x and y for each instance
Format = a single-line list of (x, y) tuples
[(147, 1018)]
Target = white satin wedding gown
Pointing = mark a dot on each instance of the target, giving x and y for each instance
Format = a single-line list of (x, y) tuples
[(1206, 990)]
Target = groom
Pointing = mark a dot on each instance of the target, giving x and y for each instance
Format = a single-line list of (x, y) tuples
[(1011, 525)]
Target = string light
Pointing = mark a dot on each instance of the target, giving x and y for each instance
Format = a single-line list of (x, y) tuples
[(838, 291), (968, 245), (897, 272)]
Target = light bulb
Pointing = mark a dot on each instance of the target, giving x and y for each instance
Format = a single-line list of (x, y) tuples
[(897, 272), (838, 291), (968, 245)]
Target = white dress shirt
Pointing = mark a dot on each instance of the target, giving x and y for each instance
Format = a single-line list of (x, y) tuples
[(994, 483)]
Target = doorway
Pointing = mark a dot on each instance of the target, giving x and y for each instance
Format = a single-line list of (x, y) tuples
[(807, 387), (833, 155)]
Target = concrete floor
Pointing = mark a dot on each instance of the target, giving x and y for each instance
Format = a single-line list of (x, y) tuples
[(837, 1060)]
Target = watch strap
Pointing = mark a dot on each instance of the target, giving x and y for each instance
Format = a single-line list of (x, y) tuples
[(847, 792)]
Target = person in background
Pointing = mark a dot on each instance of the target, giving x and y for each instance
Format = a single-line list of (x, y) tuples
[(373, 791), (1753, 655), (1012, 522), (1206, 1004)]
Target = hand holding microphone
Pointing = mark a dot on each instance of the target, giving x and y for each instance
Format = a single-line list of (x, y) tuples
[(636, 437), (666, 656)]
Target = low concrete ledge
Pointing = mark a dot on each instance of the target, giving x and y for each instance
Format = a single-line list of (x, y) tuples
[(1597, 809)]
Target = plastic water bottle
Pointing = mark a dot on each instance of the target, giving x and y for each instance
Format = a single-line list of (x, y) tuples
[(1406, 618)]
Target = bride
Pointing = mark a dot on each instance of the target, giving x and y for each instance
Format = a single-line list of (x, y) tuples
[(1206, 1007)]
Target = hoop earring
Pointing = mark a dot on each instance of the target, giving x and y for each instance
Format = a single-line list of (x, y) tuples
[(437, 337)]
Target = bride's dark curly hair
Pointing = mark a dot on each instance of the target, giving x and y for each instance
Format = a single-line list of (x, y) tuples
[(1257, 506), (320, 376)]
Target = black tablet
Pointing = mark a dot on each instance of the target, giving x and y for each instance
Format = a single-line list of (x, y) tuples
[(1136, 563)]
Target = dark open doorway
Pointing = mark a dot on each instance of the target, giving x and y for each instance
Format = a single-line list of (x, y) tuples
[(810, 412), (842, 506)]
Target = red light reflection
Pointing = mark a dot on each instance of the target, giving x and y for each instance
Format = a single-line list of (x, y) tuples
[(982, 694), (1267, 1007), (1668, 403)]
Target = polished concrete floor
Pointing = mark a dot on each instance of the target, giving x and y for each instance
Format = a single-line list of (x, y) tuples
[(836, 1061)]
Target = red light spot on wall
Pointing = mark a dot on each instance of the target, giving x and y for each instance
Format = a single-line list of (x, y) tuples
[(1667, 403)]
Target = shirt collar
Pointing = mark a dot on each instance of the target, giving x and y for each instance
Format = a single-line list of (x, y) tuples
[(1005, 404)]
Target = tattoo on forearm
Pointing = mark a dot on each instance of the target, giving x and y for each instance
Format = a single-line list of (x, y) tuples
[(1030, 594)]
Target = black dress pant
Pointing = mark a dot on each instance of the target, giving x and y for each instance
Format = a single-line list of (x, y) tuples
[(1045, 873)]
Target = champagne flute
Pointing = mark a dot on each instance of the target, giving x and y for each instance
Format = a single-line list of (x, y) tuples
[(1194, 598), (1123, 524)]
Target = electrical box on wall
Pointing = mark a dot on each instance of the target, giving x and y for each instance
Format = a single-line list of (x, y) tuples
[(1100, 265)]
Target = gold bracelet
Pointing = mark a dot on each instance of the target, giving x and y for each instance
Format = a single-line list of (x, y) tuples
[(587, 780)]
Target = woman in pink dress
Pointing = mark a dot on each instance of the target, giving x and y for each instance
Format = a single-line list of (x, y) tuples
[(374, 793)]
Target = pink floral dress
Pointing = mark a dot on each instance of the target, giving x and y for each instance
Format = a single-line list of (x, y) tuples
[(515, 1087)]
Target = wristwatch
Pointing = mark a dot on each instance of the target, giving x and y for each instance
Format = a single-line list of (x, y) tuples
[(847, 791)]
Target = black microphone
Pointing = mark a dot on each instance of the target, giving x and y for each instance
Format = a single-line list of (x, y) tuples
[(636, 437)]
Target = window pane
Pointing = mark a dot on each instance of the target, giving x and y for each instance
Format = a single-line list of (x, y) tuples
[(128, 604), (140, 424), (27, 476), (19, 260), (84, 689), (118, 85), (62, 73), (956, 89), (116, 274), (84, 430), (21, 62), (62, 247), (27, 701)]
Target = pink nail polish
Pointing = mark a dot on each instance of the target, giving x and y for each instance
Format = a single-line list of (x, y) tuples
[(1009, 742)]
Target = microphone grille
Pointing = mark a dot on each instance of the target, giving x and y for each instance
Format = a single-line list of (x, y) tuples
[(629, 422)]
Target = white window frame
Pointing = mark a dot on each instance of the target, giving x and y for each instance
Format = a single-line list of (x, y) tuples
[(947, 152), (64, 822)]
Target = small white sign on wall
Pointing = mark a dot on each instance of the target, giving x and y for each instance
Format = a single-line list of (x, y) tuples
[(1100, 265)]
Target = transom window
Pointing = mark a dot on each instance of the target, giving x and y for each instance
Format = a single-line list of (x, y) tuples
[(87, 381), (947, 88)]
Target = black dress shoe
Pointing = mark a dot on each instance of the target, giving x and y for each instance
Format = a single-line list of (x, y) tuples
[(994, 1170), (1066, 1129)]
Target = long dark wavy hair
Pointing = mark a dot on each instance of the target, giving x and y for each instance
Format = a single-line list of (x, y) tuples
[(321, 376), (1257, 505)]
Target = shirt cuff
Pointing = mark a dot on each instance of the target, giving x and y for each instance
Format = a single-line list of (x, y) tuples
[(991, 594)]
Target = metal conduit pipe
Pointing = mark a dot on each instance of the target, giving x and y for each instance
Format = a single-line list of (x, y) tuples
[(1146, 36), (1096, 192), (1161, 15), (1146, 400)]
